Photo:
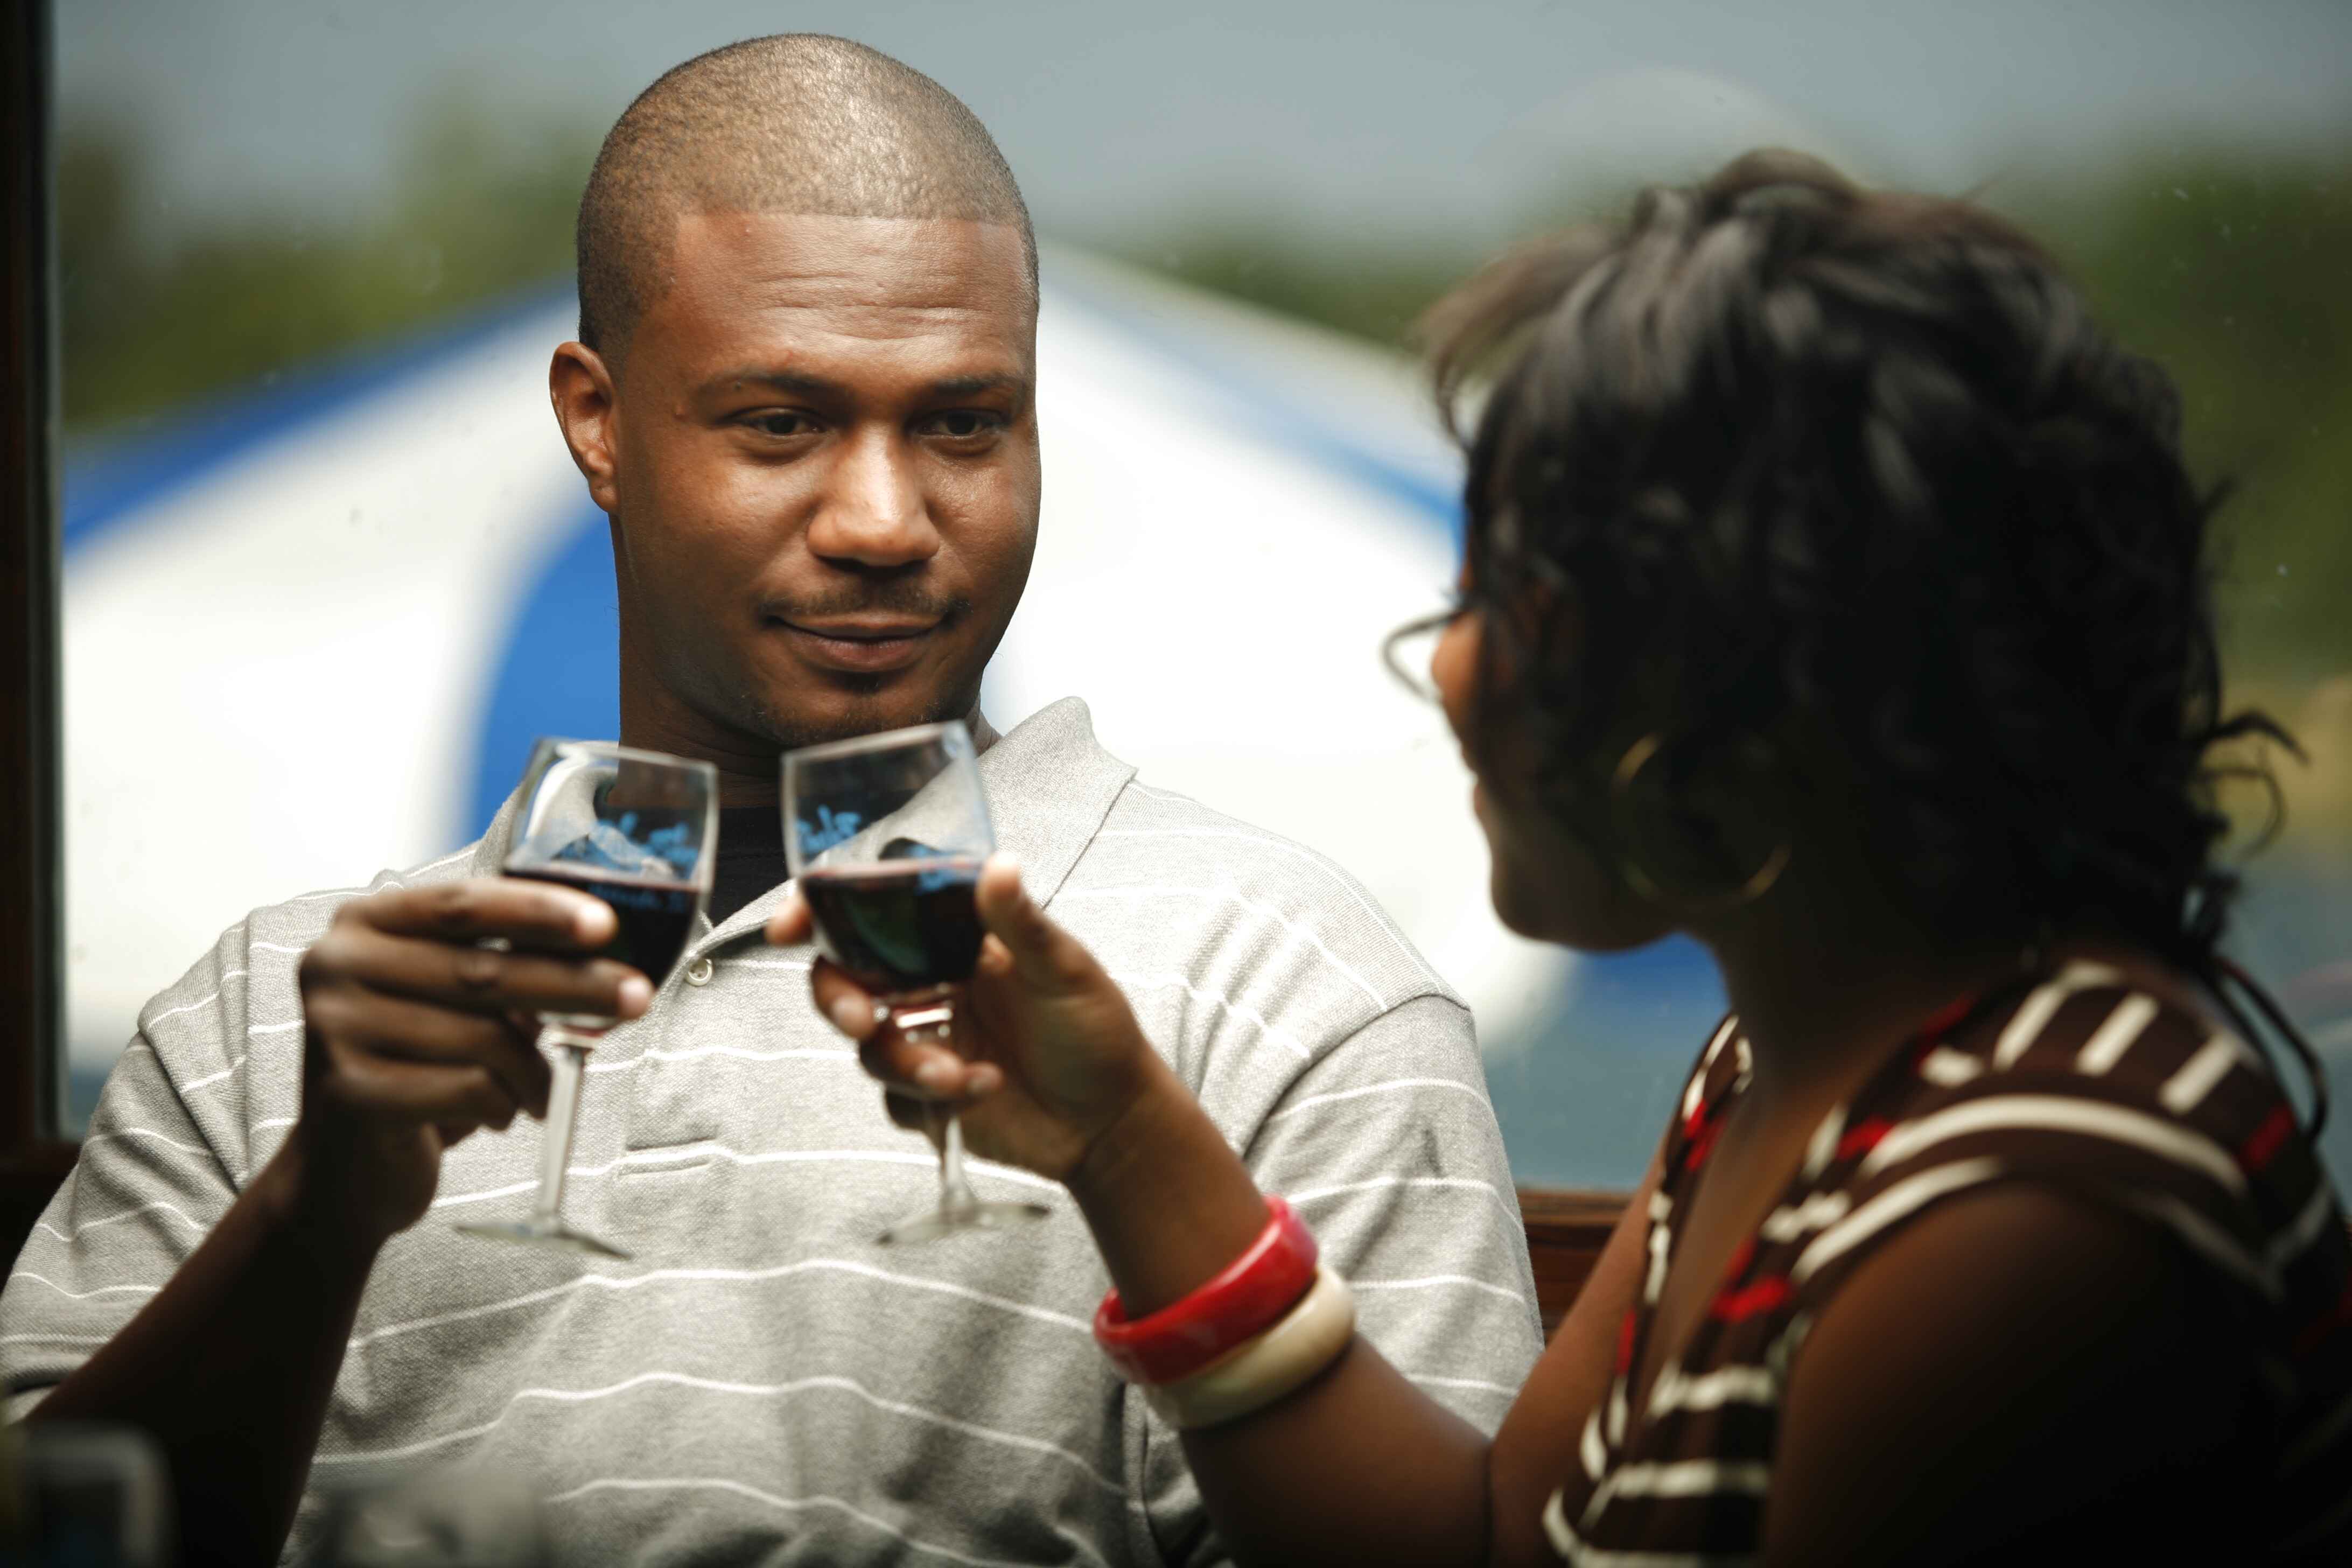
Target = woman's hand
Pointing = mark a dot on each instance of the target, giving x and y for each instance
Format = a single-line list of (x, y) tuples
[(1047, 1054)]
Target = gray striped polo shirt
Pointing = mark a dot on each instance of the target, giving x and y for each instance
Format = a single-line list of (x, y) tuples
[(760, 1382)]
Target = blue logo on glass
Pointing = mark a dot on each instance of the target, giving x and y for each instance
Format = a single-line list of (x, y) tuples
[(619, 845), (831, 827)]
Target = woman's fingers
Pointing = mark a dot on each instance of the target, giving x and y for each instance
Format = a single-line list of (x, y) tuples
[(924, 1072), (1041, 952), (790, 926), (911, 1115), (926, 1069), (850, 1005)]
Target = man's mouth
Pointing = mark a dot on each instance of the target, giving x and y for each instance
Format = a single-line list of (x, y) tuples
[(861, 644)]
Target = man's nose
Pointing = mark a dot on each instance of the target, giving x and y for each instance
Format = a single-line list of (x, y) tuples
[(873, 511)]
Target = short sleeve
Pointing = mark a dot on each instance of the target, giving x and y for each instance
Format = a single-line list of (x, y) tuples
[(145, 1191)]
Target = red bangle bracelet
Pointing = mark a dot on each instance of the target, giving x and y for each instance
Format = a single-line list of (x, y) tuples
[(1247, 1299)]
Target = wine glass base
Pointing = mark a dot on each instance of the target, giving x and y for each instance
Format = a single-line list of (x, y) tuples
[(543, 1233), (945, 1222)]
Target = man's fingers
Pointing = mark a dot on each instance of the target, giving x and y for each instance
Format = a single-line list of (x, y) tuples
[(448, 1098), (478, 979), (529, 914), (395, 1029)]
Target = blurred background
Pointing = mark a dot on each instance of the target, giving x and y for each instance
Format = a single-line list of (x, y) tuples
[(328, 568)]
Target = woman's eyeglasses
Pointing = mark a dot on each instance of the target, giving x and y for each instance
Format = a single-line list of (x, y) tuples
[(1408, 650)]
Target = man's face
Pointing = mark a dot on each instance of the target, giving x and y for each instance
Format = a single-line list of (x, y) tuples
[(824, 474)]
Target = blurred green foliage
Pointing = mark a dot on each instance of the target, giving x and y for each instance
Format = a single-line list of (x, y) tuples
[(2230, 268), (2233, 275), (159, 310)]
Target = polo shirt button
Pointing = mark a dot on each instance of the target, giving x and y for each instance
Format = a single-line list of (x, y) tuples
[(699, 973)]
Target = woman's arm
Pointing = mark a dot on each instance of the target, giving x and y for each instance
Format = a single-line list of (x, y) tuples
[(1568, 1385), (1357, 1467), (1361, 1467)]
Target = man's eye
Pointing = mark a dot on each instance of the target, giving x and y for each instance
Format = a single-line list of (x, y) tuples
[(963, 424), (782, 424)]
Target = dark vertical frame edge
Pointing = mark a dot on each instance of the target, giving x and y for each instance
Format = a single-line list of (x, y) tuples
[(32, 1047)]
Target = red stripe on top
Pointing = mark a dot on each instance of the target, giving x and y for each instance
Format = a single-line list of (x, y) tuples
[(1863, 1137), (1749, 1299), (1625, 1344), (1702, 1144), (2268, 1139), (2315, 1332), (1944, 1019)]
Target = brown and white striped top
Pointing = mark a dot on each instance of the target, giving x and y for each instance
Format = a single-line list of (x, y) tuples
[(2083, 1084)]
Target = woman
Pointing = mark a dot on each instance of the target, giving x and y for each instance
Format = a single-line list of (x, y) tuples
[(1834, 593)]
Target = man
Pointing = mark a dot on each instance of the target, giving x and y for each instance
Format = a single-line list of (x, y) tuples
[(802, 391)]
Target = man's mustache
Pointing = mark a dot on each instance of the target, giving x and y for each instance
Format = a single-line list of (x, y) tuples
[(905, 600)]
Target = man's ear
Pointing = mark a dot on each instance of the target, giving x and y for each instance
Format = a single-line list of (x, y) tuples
[(581, 387)]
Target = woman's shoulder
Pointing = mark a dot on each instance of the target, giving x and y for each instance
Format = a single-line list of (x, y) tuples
[(2015, 1363), (2089, 1188), (2093, 1080), (2094, 1119)]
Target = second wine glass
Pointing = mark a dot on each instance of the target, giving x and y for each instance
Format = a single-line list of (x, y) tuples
[(885, 835)]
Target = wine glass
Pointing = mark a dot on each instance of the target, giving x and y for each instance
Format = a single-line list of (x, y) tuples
[(885, 835), (640, 831)]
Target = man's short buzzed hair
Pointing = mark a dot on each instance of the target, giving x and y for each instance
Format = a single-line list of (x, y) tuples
[(800, 122)]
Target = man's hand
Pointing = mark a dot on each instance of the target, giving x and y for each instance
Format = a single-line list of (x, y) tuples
[(419, 1009), (1046, 1056)]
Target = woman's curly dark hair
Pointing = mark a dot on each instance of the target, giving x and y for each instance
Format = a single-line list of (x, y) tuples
[(1862, 459)]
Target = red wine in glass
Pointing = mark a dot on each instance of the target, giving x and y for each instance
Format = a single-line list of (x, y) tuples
[(897, 925), (655, 919)]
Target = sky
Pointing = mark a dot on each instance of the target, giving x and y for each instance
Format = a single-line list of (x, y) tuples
[(1379, 116)]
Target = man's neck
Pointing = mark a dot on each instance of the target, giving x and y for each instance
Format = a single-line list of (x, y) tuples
[(746, 763)]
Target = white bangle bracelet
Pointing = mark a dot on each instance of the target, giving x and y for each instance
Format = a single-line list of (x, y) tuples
[(1277, 1362)]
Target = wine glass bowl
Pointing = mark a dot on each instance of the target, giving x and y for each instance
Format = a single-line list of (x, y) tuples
[(884, 835), (638, 831)]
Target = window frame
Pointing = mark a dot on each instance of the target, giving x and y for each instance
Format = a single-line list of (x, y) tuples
[(33, 1157)]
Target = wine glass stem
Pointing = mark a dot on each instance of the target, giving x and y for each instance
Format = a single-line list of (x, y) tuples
[(955, 1192), (569, 1068)]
